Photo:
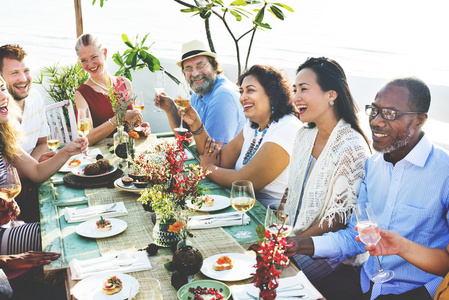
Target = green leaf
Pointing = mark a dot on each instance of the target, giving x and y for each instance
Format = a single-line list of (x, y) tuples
[(130, 59), (189, 10), (205, 14), (284, 6), (264, 25), (277, 12), (128, 75), (260, 231), (144, 39), (237, 16), (238, 2), (169, 266), (127, 42), (259, 16)]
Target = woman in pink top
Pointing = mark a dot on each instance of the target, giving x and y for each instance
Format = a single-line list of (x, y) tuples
[(94, 93)]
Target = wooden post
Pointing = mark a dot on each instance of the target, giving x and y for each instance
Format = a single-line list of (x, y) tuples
[(78, 18)]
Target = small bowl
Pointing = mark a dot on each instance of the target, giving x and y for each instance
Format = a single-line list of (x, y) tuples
[(140, 184), (126, 180), (134, 175)]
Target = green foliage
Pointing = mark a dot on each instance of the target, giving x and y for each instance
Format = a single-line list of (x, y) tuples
[(61, 83), (137, 57)]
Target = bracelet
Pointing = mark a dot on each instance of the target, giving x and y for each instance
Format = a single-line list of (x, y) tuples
[(196, 132), (110, 122), (205, 169)]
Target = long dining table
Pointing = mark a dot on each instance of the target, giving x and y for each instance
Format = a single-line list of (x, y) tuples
[(60, 236)]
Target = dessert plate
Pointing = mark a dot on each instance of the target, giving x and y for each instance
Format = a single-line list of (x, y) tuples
[(243, 266), (90, 288), (128, 188), (220, 202), (89, 228), (79, 171)]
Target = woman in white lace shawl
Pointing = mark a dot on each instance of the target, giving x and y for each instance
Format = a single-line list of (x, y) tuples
[(328, 159)]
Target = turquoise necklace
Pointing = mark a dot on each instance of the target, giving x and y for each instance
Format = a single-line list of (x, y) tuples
[(253, 146)]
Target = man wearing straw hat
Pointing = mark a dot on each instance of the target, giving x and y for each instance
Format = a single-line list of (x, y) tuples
[(215, 98)]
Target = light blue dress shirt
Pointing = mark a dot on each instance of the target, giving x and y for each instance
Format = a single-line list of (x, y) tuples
[(411, 198), (220, 110)]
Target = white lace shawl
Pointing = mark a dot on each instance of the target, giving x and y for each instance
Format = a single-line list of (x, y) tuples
[(334, 182)]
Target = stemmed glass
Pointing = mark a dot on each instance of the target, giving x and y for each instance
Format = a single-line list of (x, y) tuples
[(9, 189), (53, 139), (278, 221), (369, 234), (83, 121), (159, 85), (139, 102), (182, 100), (242, 200)]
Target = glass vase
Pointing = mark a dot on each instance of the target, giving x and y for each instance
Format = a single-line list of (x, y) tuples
[(131, 147), (121, 140)]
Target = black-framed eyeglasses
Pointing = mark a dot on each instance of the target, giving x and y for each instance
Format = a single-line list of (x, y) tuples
[(199, 67), (387, 113)]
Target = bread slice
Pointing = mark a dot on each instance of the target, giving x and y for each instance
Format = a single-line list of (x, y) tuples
[(112, 285), (223, 263), (103, 225), (209, 201)]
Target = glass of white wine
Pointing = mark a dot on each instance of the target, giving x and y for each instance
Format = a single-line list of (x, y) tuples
[(242, 200), (53, 139), (159, 85), (182, 100), (9, 189), (139, 102), (83, 121), (369, 233), (278, 221)]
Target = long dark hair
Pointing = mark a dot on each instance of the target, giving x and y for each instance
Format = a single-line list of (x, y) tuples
[(276, 86), (330, 76)]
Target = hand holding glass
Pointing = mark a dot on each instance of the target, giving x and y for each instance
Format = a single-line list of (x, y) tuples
[(182, 100), (242, 200), (159, 85), (278, 221), (83, 121), (9, 189), (369, 234)]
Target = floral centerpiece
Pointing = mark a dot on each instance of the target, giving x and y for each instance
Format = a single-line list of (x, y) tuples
[(120, 100), (270, 256), (173, 184)]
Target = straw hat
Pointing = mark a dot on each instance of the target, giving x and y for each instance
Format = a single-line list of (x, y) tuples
[(192, 49)]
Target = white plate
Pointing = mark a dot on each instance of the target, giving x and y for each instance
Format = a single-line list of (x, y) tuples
[(79, 171), (89, 228), (220, 202), (128, 188), (90, 288), (243, 267), (83, 158)]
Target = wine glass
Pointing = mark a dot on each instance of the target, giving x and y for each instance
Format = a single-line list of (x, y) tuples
[(159, 85), (9, 189), (83, 121), (53, 139), (182, 100), (139, 102), (369, 234), (242, 200), (278, 220)]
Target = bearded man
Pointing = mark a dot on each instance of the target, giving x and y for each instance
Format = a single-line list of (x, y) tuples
[(215, 98)]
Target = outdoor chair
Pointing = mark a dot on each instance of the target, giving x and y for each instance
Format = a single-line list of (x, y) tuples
[(57, 122)]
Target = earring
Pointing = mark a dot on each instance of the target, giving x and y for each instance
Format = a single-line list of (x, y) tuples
[(272, 110), (331, 103)]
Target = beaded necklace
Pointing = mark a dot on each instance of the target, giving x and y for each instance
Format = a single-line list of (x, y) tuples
[(100, 85), (253, 146)]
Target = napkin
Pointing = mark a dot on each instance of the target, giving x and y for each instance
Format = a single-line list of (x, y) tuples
[(295, 285), (92, 153), (73, 215), (124, 262), (217, 220)]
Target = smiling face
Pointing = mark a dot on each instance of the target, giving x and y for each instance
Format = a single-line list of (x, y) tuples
[(255, 101), (18, 78), (93, 60), (4, 97), (203, 81), (311, 101), (396, 137)]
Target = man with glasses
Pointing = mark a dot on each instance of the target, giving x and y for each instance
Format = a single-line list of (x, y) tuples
[(215, 98), (407, 184)]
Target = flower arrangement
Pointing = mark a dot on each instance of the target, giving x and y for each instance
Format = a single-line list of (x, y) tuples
[(270, 254), (173, 182), (120, 101)]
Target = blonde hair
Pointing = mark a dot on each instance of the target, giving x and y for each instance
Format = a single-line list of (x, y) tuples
[(87, 39), (10, 133)]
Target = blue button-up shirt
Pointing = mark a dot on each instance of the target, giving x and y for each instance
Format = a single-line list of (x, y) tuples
[(220, 110), (411, 198)]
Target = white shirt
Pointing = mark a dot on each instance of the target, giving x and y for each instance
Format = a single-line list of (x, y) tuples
[(282, 133), (34, 121)]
